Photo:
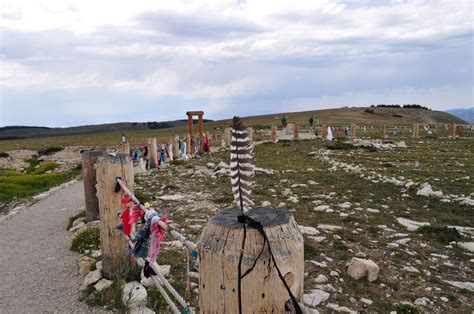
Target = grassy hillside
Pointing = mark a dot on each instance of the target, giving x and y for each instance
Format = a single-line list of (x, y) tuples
[(138, 134)]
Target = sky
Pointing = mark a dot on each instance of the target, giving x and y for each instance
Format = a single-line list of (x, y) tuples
[(76, 62)]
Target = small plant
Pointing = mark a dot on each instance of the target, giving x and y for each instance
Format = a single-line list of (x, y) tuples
[(142, 196), (88, 239), (49, 151), (442, 234), (405, 308), (339, 145), (4, 155), (224, 199), (46, 166), (309, 251), (177, 162)]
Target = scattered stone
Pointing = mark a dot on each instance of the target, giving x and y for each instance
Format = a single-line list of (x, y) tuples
[(424, 301), (78, 226), (462, 285), (411, 269), (134, 295), (98, 265), (361, 255), (41, 196), (321, 279), (444, 299), (373, 210), (329, 228), (293, 199), (321, 208), (469, 246), (141, 310), (102, 284), (85, 264), (266, 204), (315, 297), (411, 225), (77, 221), (426, 190), (317, 239), (210, 165), (366, 301), (345, 205), (176, 197), (91, 278), (308, 230), (360, 268), (334, 273)]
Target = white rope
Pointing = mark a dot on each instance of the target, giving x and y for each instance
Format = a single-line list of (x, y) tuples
[(165, 295), (168, 286), (173, 232)]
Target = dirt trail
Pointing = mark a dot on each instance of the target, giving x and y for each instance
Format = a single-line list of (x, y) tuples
[(38, 272)]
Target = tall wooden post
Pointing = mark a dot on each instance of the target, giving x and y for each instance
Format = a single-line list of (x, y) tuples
[(262, 291), (175, 142), (227, 136), (152, 153), (297, 132), (453, 130), (402, 130), (416, 130), (250, 132), (115, 263), (383, 130), (89, 159), (124, 148), (274, 133), (201, 134), (353, 130), (324, 131)]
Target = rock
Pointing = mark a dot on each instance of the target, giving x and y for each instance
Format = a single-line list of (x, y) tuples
[(373, 210), (134, 295), (308, 230), (102, 285), (91, 278), (175, 197), (426, 190), (77, 221), (321, 279), (165, 270), (85, 264), (444, 299), (326, 227), (411, 269), (469, 246), (281, 205), (222, 165), (334, 273), (424, 301), (41, 196), (98, 265), (321, 208), (80, 225), (315, 297), (210, 165), (293, 199), (141, 310), (308, 310), (317, 239), (462, 285), (263, 170), (361, 255), (345, 205), (265, 204), (359, 268), (411, 225), (401, 144), (366, 301), (311, 182)]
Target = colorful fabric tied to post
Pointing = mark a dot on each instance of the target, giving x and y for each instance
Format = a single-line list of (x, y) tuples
[(156, 237)]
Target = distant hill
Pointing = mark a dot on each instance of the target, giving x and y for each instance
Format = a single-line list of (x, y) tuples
[(465, 114), (20, 132)]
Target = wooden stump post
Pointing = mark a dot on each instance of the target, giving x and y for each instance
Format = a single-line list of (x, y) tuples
[(416, 130), (152, 153), (453, 131), (89, 159), (384, 130), (324, 131), (227, 136), (297, 132), (174, 140), (353, 130), (115, 263), (219, 249), (274, 133), (250, 132), (124, 148)]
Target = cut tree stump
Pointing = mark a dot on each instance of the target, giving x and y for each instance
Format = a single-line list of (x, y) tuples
[(115, 263), (152, 153), (219, 249), (89, 159)]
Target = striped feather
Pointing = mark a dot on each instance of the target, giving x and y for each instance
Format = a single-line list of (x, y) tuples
[(241, 166)]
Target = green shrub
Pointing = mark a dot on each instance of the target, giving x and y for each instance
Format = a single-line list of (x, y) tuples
[(142, 196), (46, 166), (339, 145), (405, 308), (88, 239), (4, 155), (49, 151), (442, 234)]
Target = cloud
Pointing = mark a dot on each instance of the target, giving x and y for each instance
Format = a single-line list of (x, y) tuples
[(226, 56)]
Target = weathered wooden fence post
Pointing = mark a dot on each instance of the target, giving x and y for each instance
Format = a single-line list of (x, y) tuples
[(227, 136), (274, 133), (89, 159), (453, 131), (297, 132), (189, 149), (152, 153), (383, 130), (124, 148), (416, 130), (353, 130), (175, 142), (250, 132), (115, 263), (263, 291)]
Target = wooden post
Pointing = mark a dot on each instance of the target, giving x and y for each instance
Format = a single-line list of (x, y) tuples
[(250, 132), (353, 130), (189, 149), (297, 132), (201, 134), (274, 133), (416, 130), (89, 158), (152, 153), (324, 131), (227, 136), (262, 291), (402, 129), (175, 142), (383, 130), (115, 263), (124, 148), (453, 131)]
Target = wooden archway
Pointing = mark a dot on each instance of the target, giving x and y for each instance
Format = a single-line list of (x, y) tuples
[(190, 115)]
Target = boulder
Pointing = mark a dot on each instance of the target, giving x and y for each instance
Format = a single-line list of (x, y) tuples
[(77, 221), (90, 279), (315, 297), (134, 295), (102, 284), (468, 246), (85, 264), (360, 268), (462, 285), (308, 230)]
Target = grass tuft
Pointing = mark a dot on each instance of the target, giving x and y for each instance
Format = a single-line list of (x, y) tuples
[(88, 239), (442, 234)]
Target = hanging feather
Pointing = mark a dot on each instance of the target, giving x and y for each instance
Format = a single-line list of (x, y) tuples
[(241, 167)]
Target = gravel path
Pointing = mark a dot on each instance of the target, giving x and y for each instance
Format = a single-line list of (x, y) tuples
[(38, 272)]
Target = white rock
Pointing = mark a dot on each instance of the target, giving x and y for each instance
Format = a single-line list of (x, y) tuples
[(210, 165), (411, 269), (444, 299), (317, 239), (334, 273), (424, 301), (403, 241), (311, 182), (41, 196), (102, 284), (411, 225), (91, 278), (462, 285), (141, 310), (345, 205), (265, 204), (321, 208), (366, 301), (327, 227), (293, 199), (175, 197), (77, 221), (321, 279), (134, 295), (222, 165), (78, 226), (308, 230), (359, 268), (373, 210), (393, 245), (361, 255), (98, 265), (315, 297), (426, 190), (281, 205), (469, 246)]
